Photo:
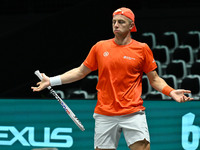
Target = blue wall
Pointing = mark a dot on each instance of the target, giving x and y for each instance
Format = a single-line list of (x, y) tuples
[(36, 123)]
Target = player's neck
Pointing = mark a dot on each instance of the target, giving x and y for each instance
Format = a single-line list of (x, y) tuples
[(123, 40)]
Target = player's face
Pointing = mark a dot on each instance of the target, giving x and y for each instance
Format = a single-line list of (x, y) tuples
[(121, 24)]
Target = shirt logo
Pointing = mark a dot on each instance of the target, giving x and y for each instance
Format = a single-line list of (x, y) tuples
[(129, 58), (105, 54)]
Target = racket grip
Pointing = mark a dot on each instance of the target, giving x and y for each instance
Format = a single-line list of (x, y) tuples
[(38, 74)]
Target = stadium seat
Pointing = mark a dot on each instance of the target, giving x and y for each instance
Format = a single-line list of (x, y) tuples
[(184, 52), (195, 68), (171, 80), (177, 68), (154, 95), (60, 93), (192, 38), (171, 40), (197, 55), (87, 89), (192, 82), (146, 87), (161, 53), (78, 94), (89, 84), (159, 68), (150, 39)]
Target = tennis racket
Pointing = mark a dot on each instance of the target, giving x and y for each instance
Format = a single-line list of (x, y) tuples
[(62, 103)]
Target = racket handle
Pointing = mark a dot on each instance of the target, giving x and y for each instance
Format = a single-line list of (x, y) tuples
[(38, 74)]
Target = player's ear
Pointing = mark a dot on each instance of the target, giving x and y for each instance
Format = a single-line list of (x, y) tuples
[(131, 25)]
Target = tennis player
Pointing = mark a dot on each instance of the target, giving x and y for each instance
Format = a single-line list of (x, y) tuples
[(120, 62)]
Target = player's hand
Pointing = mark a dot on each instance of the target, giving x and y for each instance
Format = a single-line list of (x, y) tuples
[(179, 95), (42, 84)]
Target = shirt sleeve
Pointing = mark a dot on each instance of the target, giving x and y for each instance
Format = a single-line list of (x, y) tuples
[(149, 62), (91, 60)]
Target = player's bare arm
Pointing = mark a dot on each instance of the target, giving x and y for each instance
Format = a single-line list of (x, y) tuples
[(75, 74), (155, 81), (159, 84), (68, 77)]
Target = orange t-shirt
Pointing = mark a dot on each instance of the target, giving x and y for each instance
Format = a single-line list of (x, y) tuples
[(120, 70)]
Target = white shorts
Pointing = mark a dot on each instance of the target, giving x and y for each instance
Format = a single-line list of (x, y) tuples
[(108, 129)]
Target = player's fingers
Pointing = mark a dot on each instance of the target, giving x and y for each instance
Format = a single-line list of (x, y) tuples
[(38, 83), (186, 91), (37, 89), (182, 99), (191, 99), (43, 75), (185, 99), (188, 98), (34, 89)]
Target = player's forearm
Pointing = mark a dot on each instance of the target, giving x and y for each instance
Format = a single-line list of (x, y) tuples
[(72, 76), (158, 84), (155, 81), (75, 74)]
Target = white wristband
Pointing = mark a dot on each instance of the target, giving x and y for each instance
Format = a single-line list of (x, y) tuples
[(55, 81)]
